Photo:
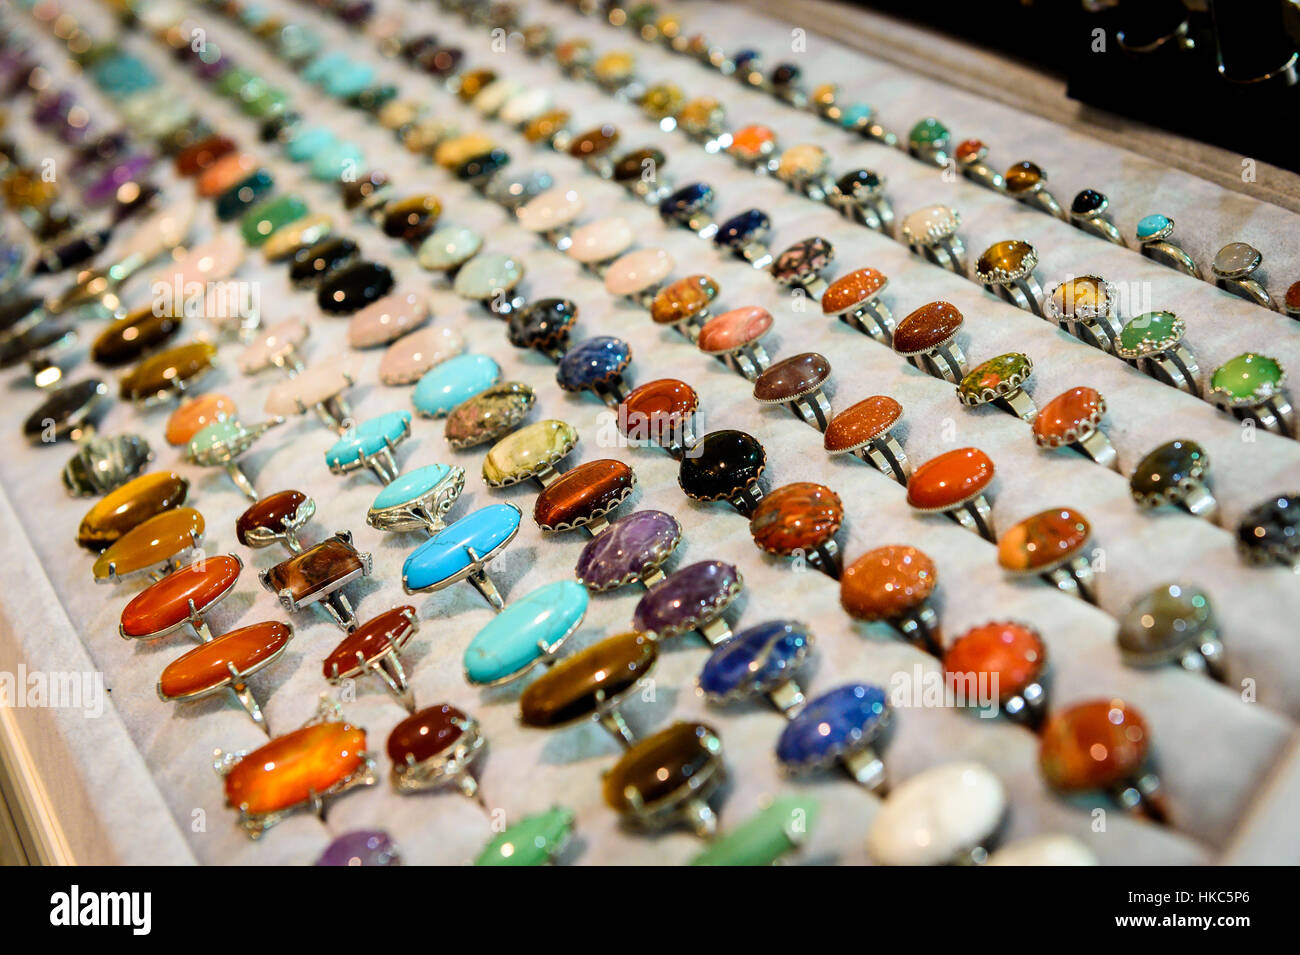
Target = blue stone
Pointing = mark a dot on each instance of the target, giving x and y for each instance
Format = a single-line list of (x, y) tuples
[(349, 80), (1152, 225), (834, 724), (513, 640), (320, 68), (595, 362), (458, 379), (755, 660), (687, 202), (444, 555), (740, 230), (306, 144), (335, 160), (855, 115), (369, 438), (745, 58), (297, 44), (411, 486)]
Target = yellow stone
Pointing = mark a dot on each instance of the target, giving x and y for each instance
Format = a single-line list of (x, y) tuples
[(308, 231), (662, 100), (129, 506), (614, 67), (701, 115), (425, 135), (825, 94), (148, 545), (456, 152), (1086, 292), (669, 27), (398, 113), (545, 126), (802, 162), (528, 451)]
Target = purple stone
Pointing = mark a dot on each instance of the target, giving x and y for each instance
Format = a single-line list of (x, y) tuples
[(104, 188), (51, 108), (629, 549), (687, 599), (362, 847)]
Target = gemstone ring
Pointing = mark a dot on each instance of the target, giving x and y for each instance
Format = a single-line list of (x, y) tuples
[(1153, 234), (1153, 343), (1027, 182), (970, 155), (1088, 212), (1007, 269), (1233, 266)]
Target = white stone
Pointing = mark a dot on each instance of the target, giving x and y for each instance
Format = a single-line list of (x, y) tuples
[(936, 815)]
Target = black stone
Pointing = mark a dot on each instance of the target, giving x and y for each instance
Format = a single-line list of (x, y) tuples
[(544, 324), (279, 129), (1087, 202), (721, 465), (65, 410), (239, 198), (484, 164), (411, 219), (313, 263), (361, 190), (31, 344), (143, 199), (1270, 532), (440, 62), (785, 73), (72, 252), (1168, 466), (373, 98), (354, 287), (18, 311), (858, 181), (632, 166)]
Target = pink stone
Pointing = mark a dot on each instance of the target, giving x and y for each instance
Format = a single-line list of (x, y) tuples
[(734, 330), (551, 209), (638, 271), (212, 261), (387, 318), (273, 345), (408, 358), (601, 240), (315, 384)]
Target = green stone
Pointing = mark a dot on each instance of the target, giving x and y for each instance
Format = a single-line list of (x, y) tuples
[(233, 80), (533, 840), (928, 132), (765, 837), (269, 102), (995, 378), (1248, 379), (1163, 471), (1149, 333), (262, 220)]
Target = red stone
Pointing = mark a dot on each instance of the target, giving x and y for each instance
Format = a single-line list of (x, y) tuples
[(425, 734), (208, 666), (1010, 651), (1093, 745), (582, 494), (796, 517), (390, 630), (856, 425), (1292, 298), (272, 514), (752, 142), (1069, 417), (969, 149), (287, 771), (949, 480), (192, 160), (927, 328), (1043, 541), (887, 582), (166, 604)]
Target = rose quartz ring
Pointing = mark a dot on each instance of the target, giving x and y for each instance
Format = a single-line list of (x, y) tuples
[(319, 389), (276, 347), (734, 339), (639, 275), (387, 319)]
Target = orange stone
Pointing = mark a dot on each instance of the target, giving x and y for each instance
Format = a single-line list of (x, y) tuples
[(852, 290), (969, 149), (378, 635), (657, 411), (1069, 417), (1292, 298), (797, 517), (926, 328), (582, 494), (887, 582), (228, 171), (1093, 745), (1044, 541), (752, 142), (950, 480), (865, 421), (544, 127), (1010, 651), (287, 771), (207, 667), (683, 299), (165, 605), (129, 506), (157, 540), (196, 414)]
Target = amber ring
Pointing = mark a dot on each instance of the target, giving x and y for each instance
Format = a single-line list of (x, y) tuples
[(971, 155), (1154, 236), (375, 647), (181, 599), (855, 300), (654, 799), (1153, 343), (1088, 212), (1027, 182), (931, 233), (863, 430), (1173, 623), (436, 747), (1233, 266), (317, 576), (1086, 306), (195, 675), (1007, 269), (860, 195), (1050, 545)]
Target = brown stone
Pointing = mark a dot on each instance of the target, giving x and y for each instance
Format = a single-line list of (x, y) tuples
[(580, 684), (792, 378), (1023, 177), (361, 190), (582, 494), (192, 160), (1043, 541), (130, 337), (161, 538), (865, 421), (425, 734), (208, 666), (270, 515), (315, 570), (594, 141), (1094, 745), (681, 758), (489, 414), (1006, 261), (167, 372), (377, 636), (411, 219), (797, 517), (683, 299), (130, 505), (927, 328)]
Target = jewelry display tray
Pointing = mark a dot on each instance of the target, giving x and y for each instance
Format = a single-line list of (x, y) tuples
[(136, 784)]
